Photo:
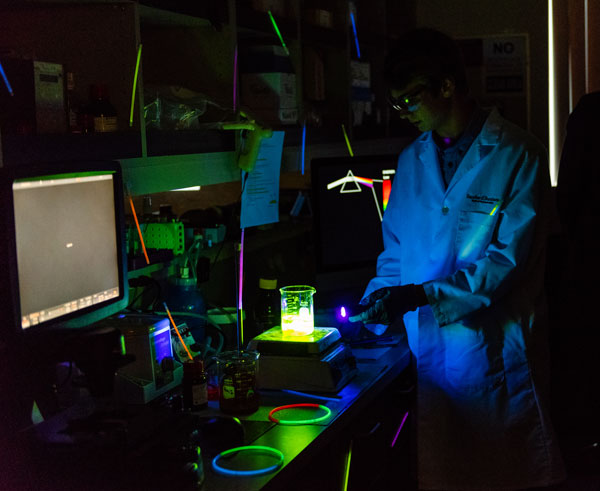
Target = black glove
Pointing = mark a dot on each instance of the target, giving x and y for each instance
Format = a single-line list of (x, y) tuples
[(385, 305)]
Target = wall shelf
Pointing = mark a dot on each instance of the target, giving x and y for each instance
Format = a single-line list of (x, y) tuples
[(191, 47)]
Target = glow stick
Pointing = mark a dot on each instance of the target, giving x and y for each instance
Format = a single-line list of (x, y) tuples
[(137, 224), (355, 35), (300, 421), (398, 431), (6, 82), (303, 145), (257, 449), (347, 141), (287, 52), (347, 466), (177, 331), (135, 77)]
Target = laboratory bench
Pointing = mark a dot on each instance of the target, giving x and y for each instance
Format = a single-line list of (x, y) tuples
[(91, 446)]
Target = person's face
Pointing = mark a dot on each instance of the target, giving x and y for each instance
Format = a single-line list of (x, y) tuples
[(419, 105)]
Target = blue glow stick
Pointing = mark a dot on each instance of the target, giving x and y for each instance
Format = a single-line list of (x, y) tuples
[(6, 82), (303, 145), (355, 35)]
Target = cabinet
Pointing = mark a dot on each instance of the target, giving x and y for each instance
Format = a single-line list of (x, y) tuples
[(191, 49)]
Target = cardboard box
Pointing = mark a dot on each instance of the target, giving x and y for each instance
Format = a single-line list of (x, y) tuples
[(272, 95), (276, 116)]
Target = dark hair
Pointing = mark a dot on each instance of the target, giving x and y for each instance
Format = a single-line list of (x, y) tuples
[(425, 52)]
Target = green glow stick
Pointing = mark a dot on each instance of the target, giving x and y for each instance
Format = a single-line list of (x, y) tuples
[(347, 467), (287, 52), (135, 77), (347, 141)]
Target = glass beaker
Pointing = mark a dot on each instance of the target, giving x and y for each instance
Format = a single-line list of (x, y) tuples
[(297, 314), (237, 381)]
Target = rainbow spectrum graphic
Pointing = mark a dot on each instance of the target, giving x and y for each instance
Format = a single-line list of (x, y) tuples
[(352, 184)]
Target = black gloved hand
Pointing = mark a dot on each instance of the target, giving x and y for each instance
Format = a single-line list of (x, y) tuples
[(385, 305)]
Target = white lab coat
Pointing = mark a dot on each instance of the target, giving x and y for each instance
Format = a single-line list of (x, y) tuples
[(478, 248)]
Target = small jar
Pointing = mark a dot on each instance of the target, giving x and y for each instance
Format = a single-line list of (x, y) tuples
[(195, 391), (267, 309)]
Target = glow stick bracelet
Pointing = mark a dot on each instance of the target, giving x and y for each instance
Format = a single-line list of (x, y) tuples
[(257, 449), (287, 51), (177, 331), (347, 466), (399, 429), (347, 141), (137, 224), (355, 35), (6, 82), (300, 421), (303, 145), (135, 77)]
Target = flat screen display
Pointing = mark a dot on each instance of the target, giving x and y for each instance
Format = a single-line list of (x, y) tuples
[(66, 245)]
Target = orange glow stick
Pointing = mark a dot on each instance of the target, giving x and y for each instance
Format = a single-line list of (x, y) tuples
[(137, 224), (177, 331)]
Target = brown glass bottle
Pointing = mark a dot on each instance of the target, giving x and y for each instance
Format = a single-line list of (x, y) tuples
[(102, 111), (195, 394)]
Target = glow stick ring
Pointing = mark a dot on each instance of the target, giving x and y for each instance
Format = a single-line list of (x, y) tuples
[(300, 421), (257, 449)]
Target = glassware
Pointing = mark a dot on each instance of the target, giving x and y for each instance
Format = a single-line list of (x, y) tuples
[(237, 381), (297, 314)]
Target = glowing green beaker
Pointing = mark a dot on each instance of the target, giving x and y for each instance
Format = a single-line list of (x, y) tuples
[(297, 315)]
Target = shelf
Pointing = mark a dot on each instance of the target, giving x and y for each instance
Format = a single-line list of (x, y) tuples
[(160, 17), (178, 142), (24, 149), (157, 174)]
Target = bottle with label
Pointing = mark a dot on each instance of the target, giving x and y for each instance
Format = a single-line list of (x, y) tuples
[(195, 390), (102, 111), (267, 309)]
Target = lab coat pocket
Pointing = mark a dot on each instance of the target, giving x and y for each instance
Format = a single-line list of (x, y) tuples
[(473, 361), (473, 235)]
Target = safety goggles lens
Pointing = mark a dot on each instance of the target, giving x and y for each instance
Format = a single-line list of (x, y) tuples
[(408, 102)]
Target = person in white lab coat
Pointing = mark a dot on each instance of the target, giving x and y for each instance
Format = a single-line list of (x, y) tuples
[(464, 235)]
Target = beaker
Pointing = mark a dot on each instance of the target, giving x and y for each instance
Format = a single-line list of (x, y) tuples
[(297, 314), (237, 381)]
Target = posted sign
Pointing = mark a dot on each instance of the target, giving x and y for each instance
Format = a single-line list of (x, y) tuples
[(505, 65)]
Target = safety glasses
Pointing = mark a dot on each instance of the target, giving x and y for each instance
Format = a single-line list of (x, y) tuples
[(408, 102)]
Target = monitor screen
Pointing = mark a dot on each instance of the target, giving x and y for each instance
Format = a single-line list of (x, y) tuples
[(350, 195), (65, 234)]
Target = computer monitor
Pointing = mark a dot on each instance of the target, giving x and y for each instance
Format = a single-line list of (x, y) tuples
[(350, 195), (63, 263)]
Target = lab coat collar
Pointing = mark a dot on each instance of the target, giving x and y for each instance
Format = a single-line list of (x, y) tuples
[(489, 134), (488, 137)]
